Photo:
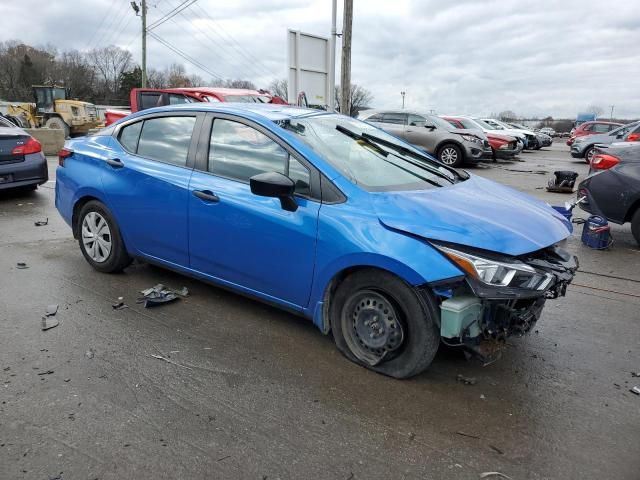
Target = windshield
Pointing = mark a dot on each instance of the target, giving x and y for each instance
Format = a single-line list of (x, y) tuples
[(623, 130), (370, 165), (471, 124), (247, 98), (439, 122), (485, 125)]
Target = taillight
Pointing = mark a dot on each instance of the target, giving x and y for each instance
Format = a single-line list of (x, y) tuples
[(63, 154), (633, 137), (602, 161), (31, 146)]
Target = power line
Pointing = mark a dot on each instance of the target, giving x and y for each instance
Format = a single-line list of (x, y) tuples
[(107, 34), (185, 4), (186, 57), (104, 17)]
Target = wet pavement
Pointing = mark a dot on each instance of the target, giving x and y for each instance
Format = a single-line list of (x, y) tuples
[(249, 392)]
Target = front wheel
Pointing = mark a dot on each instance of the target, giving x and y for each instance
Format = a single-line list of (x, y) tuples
[(450, 155), (635, 226), (379, 321), (589, 153), (100, 239)]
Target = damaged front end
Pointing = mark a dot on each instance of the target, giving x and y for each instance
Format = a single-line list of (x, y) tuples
[(499, 297)]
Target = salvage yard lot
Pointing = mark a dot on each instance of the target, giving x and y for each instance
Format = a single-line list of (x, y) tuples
[(253, 392)]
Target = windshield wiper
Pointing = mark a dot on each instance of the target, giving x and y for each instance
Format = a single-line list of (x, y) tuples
[(385, 154), (408, 151)]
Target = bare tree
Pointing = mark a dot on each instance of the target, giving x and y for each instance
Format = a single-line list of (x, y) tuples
[(596, 110), (156, 78), (361, 98), (110, 63), (280, 88), (507, 115)]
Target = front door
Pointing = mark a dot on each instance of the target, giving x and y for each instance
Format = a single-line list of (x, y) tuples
[(244, 239)]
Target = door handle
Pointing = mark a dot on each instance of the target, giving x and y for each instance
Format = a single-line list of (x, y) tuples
[(206, 195), (115, 162)]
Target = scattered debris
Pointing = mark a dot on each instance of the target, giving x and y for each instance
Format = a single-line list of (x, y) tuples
[(89, 353), (42, 223), (67, 380), (48, 372), (466, 380), (635, 390), (468, 435), (494, 474), (119, 305), (482, 397), (159, 294), (563, 182), (412, 435), (635, 374), (51, 310), (48, 321), (223, 458), (496, 449), (160, 357), (21, 265)]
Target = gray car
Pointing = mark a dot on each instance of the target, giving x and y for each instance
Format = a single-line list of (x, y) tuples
[(584, 147), (22, 163), (450, 145)]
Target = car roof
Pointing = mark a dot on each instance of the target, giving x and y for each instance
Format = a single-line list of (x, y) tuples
[(267, 111), (220, 91), (606, 122)]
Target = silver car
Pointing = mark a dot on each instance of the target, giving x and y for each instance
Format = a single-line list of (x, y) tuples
[(450, 145), (584, 147)]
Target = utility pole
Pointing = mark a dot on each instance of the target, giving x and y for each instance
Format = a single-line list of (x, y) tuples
[(345, 78), (332, 59), (611, 116), (141, 11), (403, 93)]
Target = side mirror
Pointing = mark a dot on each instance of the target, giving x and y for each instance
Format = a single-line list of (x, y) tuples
[(430, 126), (620, 135), (275, 185)]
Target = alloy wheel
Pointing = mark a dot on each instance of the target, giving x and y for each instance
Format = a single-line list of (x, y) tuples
[(96, 237), (449, 156)]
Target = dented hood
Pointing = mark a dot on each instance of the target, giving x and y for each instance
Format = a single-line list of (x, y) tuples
[(478, 213)]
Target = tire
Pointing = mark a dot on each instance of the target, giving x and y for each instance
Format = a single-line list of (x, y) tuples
[(588, 154), (57, 123), (411, 334), (450, 155), (635, 226), (107, 252)]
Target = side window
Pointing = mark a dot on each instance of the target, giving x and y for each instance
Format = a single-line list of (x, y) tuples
[(129, 136), (601, 128), (417, 120), (587, 128), (149, 100), (238, 151), (166, 139), (300, 175), (613, 127), (395, 118), (175, 99)]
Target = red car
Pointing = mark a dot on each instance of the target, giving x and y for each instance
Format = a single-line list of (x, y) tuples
[(143, 98), (590, 128), (502, 146)]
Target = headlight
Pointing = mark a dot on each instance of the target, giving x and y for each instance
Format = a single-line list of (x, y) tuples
[(472, 139), (498, 274)]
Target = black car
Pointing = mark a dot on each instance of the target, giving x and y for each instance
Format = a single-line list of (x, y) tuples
[(612, 188), (22, 163)]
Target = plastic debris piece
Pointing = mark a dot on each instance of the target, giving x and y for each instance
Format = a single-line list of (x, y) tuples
[(51, 310), (48, 372), (21, 265), (496, 449), (49, 322), (89, 353), (466, 380), (635, 374), (183, 292), (468, 435), (494, 474), (158, 295), (42, 223), (119, 305), (635, 390)]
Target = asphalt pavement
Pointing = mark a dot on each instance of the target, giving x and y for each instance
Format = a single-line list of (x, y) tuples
[(218, 386)]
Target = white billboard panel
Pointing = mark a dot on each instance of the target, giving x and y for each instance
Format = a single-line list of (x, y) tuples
[(308, 67)]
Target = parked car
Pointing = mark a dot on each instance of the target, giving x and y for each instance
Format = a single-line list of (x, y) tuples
[(613, 187), (502, 146), (584, 146), (544, 140), (531, 141), (592, 128), (448, 144), (489, 129), (22, 163), (143, 98), (323, 215), (548, 131)]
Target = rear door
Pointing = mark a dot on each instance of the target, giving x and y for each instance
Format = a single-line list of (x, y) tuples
[(244, 239), (147, 183), (418, 134)]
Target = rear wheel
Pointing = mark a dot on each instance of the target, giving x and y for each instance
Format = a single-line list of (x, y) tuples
[(635, 225), (451, 155), (57, 123), (379, 321), (588, 154), (100, 239)]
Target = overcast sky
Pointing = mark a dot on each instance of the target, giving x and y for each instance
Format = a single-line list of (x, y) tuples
[(539, 57)]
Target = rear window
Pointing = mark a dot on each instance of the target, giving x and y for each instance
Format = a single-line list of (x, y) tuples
[(395, 118), (165, 139), (150, 100), (600, 128)]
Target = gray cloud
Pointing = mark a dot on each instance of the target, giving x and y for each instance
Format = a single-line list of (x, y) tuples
[(536, 58)]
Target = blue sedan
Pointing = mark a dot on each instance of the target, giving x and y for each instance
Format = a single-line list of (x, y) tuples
[(323, 215)]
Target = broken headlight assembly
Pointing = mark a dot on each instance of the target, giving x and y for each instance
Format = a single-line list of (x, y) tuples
[(501, 277)]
